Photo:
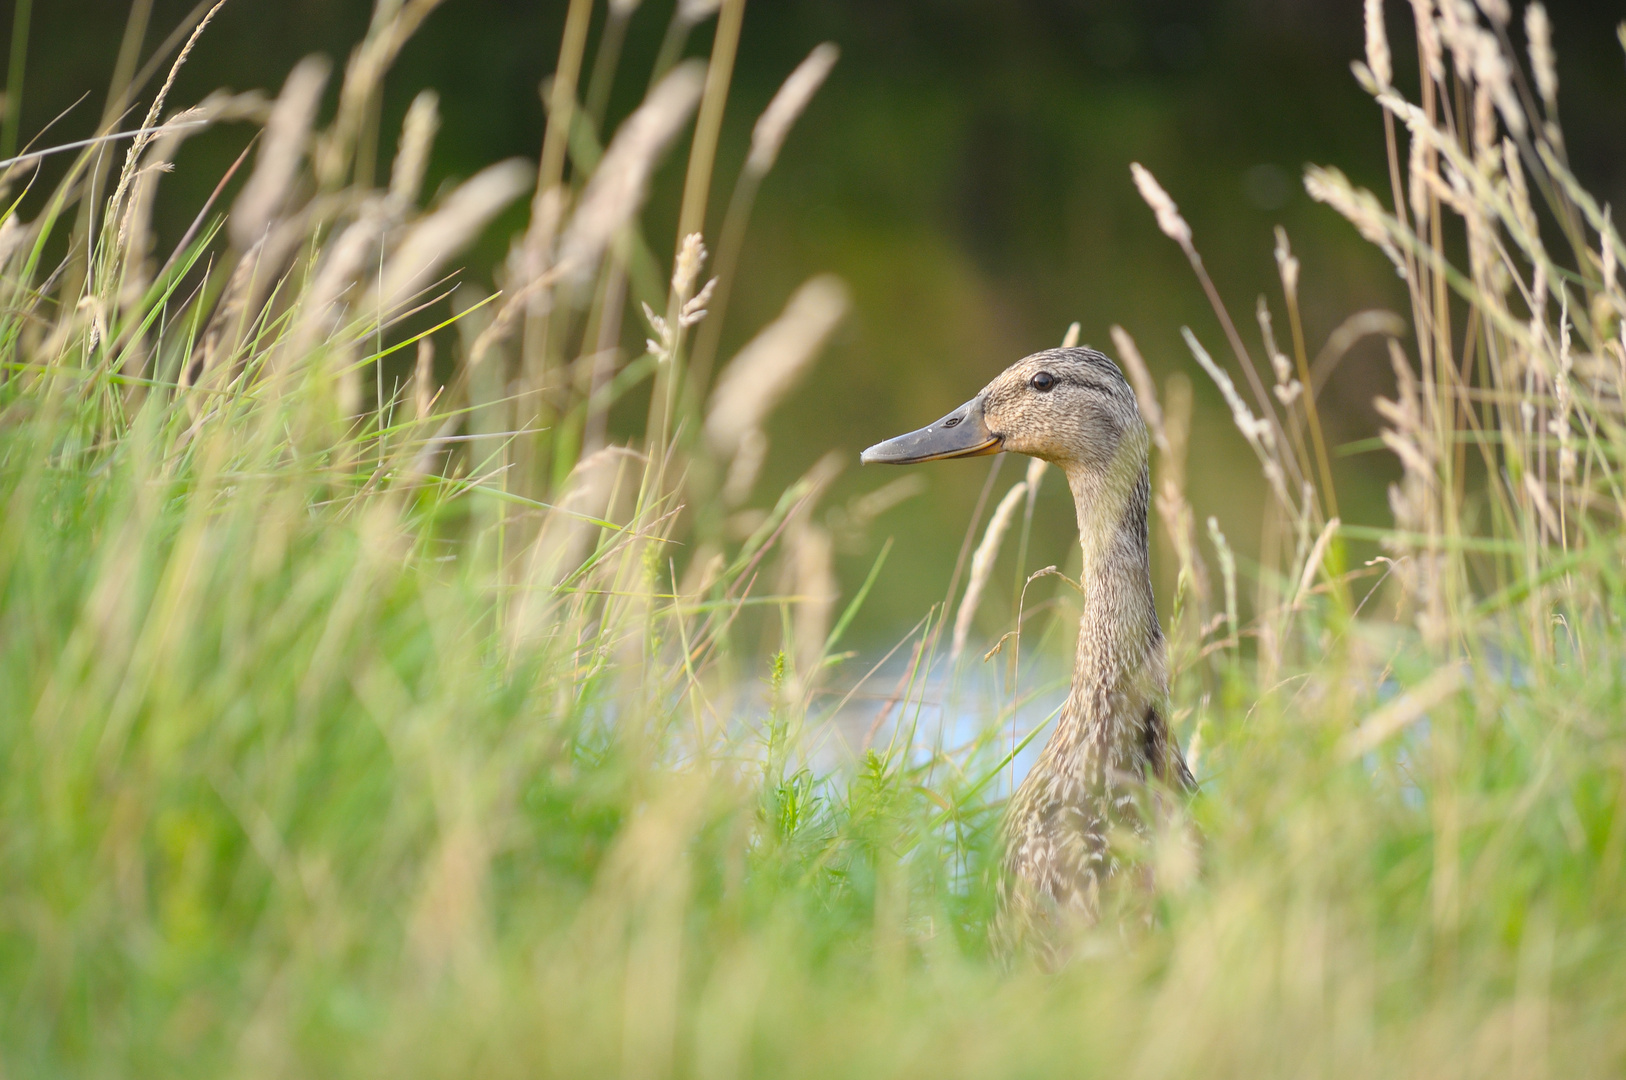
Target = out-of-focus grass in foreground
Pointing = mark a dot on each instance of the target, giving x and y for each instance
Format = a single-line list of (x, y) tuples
[(367, 715)]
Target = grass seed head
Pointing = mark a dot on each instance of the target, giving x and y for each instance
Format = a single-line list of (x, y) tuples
[(1287, 264), (982, 564), (1417, 181), (620, 183), (412, 158), (1459, 26), (787, 105), (686, 267), (1428, 39), (282, 150), (335, 274), (812, 556), (450, 228), (1141, 379), (1036, 471), (1492, 71), (1359, 206), (1538, 30), (139, 145), (1377, 44), (1168, 214), (771, 363), (742, 471)]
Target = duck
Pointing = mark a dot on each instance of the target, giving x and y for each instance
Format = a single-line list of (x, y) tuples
[(1111, 759)]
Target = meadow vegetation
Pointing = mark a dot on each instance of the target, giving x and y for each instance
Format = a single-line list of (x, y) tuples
[(366, 708)]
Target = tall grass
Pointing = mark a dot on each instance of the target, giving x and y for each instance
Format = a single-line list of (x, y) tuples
[(366, 709)]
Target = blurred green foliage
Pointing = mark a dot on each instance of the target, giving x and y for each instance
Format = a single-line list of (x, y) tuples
[(965, 169)]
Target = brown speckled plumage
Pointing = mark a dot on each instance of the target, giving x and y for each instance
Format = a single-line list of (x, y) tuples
[(1112, 734), (1073, 408)]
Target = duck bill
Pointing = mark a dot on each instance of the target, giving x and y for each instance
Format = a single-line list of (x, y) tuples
[(962, 433)]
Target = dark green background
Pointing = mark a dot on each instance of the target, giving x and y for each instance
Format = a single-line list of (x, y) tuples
[(965, 170)]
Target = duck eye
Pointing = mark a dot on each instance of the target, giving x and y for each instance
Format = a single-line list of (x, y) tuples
[(1043, 382)]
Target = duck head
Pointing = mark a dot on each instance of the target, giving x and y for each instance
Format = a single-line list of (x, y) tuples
[(1070, 407)]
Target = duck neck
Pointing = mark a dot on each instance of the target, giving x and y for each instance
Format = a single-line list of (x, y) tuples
[(1118, 671)]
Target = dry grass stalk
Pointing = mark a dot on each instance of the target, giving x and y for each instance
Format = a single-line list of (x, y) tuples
[(282, 150), (139, 146), (232, 313), (1428, 39), (1176, 228), (1412, 498), (345, 259), (1141, 379), (1377, 44), (1179, 521), (1168, 214), (771, 363), (1260, 433), (1287, 388), (566, 537), (1036, 470), (529, 259), (1405, 710), (1543, 386), (768, 136), (812, 557), (1227, 560), (424, 391), (1492, 71), (620, 183), (1362, 324), (1538, 30), (134, 240), (527, 264), (982, 564), (867, 507), (447, 928), (446, 231), (749, 455), (1409, 438), (708, 123), (1287, 268), (1312, 564), (1358, 205), (12, 235), (393, 23), (412, 156), (1455, 29)]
